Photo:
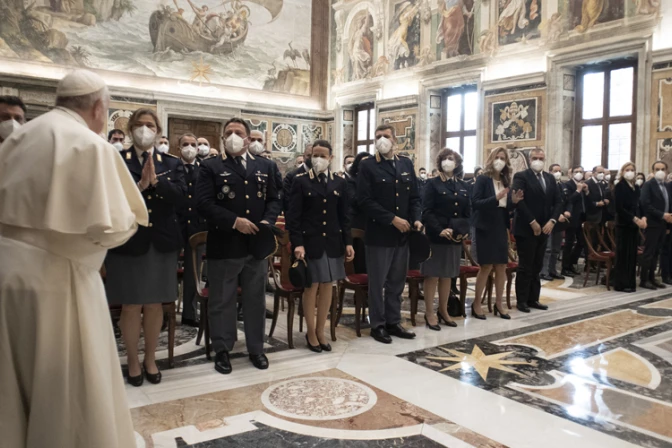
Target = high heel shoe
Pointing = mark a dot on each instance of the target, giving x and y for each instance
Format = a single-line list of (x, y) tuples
[(450, 323), (135, 381), (154, 378), (496, 310), (313, 348), (477, 316), (432, 327)]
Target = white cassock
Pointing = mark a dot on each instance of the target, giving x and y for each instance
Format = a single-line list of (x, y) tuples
[(66, 198)]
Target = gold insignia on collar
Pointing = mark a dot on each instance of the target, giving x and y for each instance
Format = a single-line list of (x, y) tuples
[(128, 155), (158, 158), (312, 176), (377, 157), (223, 155)]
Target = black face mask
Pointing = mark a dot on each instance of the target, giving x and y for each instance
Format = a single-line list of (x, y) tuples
[(308, 162)]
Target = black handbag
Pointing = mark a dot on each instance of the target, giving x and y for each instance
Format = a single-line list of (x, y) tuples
[(299, 274), (461, 229), (454, 306)]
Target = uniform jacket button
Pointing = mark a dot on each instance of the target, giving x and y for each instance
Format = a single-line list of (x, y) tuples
[(151, 224), (150, 210), (324, 234)]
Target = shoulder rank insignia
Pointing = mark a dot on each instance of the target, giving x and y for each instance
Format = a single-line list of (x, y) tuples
[(158, 157), (225, 173), (167, 154), (404, 174), (301, 174)]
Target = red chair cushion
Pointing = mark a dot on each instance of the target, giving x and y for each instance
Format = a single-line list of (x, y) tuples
[(204, 292), (512, 265), (469, 269), (358, 279), (277, 266), (180, 271), (288, 287), (414, 274)]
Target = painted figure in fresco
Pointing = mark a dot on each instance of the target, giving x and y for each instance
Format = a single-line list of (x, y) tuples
[(647, 6), (514, 15), (590, 12), (451, 26), (200, 15), (361, 51), (398, 45)]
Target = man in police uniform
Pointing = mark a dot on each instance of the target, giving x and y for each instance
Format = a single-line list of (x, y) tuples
[(289, 178), (549, 270), (387, 190), (258, 148), (236, 193), (190, 224)]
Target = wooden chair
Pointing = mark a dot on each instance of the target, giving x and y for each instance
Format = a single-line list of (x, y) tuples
[(359, 284), (196, 242), (596, 254), (467, 272), (414, 279)]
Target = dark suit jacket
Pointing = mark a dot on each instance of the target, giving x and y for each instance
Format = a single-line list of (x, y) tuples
[(162, 202), (190, 220), (485, 205), (652, 203), (225, 192), (595, 194), (626, 201), (317, 218), (537, 204), (383, 192), (576, 203), (356, 215), (444, 202), (287, 185)]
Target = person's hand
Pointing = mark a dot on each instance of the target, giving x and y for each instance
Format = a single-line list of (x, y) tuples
[(446, 233), (264, 222), (641, 223), (148, 175), (417, 225), (245, 226), (536, 228), (579, 187), (300, 252), (517, 196), (562, 218), (668, 217), (401, 224), (349, 253), (600, 204), (548, 227), (606, 202), (567, 215), (502, 193), (585, 186)]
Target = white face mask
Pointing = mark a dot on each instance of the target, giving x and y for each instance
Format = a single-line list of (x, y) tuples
[(447, 166), (320, 164), (384, 145), (203, 150), (256, 148), (347, 167), (423, 176), (639, 182), (629, 175), (537, 165), (234, 144), (578, 177), (188, 153), (557, 175), (498, 165), (118, 145), (144, 137), (660, 176), (607, 177), (7, 127), (600, 176), (163, 148)]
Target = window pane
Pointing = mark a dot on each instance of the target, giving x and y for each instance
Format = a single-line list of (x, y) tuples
[(469, 156), (453, 143), (362, 120), (593, 95), (372, 124), (591, 146), (620, 144), (453, 112), (470, 111), (620, 92), (361, 148)]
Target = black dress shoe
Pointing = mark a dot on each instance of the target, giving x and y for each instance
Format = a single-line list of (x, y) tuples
[(647, 285), (399, 331), (325, 347), (523, 308), (567, 273), (538, 306), (432, 327), (222, 363), (135, 381), (313, 348), (450, 323), (154, 378), (657, 284), (259, 361), (575, 271), (496, 311), (381, 335), (546, 277), (476, 315), (269, 314), (557, 277), (189, 323), (628, 290)]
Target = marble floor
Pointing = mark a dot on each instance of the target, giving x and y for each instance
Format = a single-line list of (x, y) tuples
[(595, 370)]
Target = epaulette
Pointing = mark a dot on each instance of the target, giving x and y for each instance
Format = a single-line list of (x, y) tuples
[(403, 155), (167, 154), (301, 174)]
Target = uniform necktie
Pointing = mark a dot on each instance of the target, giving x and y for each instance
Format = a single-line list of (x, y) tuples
[(323, 178), (189, 168), (541, 181), (242, 162), (145, 156), (665, 196)]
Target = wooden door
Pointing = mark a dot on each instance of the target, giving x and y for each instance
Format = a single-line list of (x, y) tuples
[(206, 129)]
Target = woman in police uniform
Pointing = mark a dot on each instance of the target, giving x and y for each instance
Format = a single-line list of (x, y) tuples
[(319, 229), (446, 211), (142, 273)]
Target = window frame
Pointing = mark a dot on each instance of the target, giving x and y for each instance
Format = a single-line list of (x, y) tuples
[(445, 134), (605, 121), (369, 142)]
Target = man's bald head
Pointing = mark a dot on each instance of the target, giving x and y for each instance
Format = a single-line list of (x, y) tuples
[(203, 141), (257, 136)]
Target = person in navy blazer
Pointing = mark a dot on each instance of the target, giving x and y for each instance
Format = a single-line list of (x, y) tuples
[(535, 217)]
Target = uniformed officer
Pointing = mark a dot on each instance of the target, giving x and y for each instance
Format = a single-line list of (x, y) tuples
[(203, 148), (319, 228), (190, 224), (549, 270), (257, 148), (303, 168), (387, 191), (142, 274), (236, 194)]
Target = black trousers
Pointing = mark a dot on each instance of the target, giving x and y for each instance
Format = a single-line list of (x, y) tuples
[(655, 239), (625, 270), (531, 251), (574, 244), (666, 258)]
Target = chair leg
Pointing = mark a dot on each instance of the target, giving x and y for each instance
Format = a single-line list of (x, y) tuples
[(290, 321), (172, 322), (332, 318), (491, 282), (463, 295), (608, 273), (207, 331), (413, 292), (301, 313), (358, 312), (276, 312), (599, 269), (587, 273), (509, 280), (341, 298), (201, 325)]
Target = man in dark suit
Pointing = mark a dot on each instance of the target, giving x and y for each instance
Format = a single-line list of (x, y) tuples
[(549, 270), (655, 204), (597, 200), (258, 148), (535, 217), (190, 224), (387, 191), (236, 193), (289, 177), (574, 242), (347, 163)]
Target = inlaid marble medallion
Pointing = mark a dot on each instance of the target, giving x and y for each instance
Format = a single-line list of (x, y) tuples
[(319, 398)]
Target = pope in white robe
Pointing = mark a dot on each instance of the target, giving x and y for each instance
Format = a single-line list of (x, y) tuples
[(67, 197)]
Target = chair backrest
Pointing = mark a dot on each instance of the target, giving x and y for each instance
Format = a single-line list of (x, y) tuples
[(513, 250), (282, 277), (466, 246), (350, 265), (609, 230), (196, 241), (590, 229)]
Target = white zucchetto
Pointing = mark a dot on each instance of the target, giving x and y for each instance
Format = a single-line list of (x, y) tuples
[(78, 83)]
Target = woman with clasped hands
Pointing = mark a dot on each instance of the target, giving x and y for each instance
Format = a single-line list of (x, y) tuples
[(491, 205)]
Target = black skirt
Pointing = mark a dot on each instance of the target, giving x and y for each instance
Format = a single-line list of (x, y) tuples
[(492, 245), (625, 271)]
